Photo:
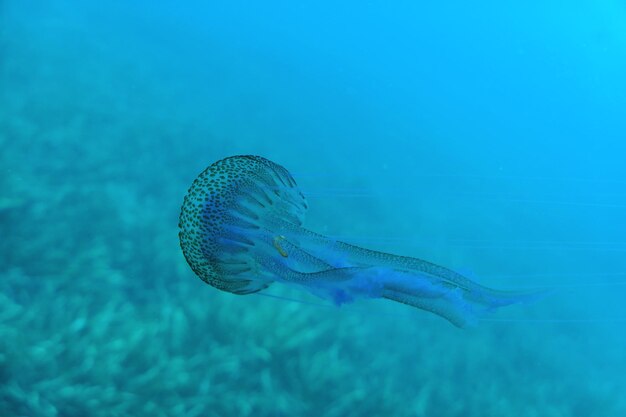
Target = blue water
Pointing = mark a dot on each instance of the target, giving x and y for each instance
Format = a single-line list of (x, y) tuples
[(488, 137)]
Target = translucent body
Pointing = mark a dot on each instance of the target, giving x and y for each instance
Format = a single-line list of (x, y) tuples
[(241, 230)]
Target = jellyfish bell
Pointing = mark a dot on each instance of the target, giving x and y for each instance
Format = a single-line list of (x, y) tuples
[(226, 217), (241, 230)]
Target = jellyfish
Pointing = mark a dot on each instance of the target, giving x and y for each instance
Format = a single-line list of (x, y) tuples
[(241, 230)]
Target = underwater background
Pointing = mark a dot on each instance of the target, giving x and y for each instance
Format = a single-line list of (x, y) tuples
[(488, 137)]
